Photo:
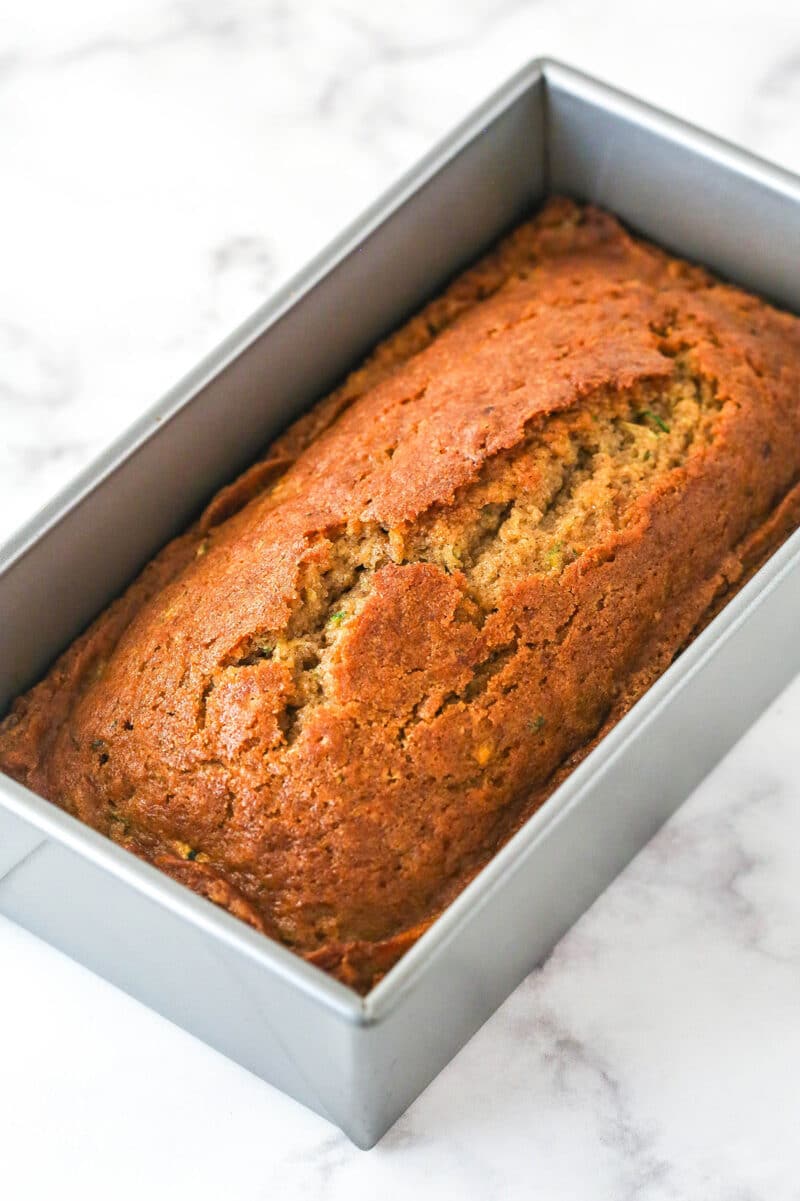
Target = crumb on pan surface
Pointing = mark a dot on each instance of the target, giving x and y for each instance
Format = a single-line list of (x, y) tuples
[(327, 704)]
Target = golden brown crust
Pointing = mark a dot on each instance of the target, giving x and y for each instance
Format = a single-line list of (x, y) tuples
[(327, 704)]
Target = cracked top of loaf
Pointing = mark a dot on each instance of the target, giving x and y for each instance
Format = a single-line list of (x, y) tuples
[(327, 704)]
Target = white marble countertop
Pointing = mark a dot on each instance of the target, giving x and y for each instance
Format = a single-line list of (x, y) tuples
[(165, 165)]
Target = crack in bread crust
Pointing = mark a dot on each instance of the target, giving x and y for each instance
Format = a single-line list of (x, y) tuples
[(552, 499), (330, 702)]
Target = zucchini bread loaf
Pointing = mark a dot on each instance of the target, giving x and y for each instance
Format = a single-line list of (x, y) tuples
[(327, 704)]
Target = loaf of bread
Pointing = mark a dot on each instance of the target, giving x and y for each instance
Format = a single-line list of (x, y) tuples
[(330, 702)]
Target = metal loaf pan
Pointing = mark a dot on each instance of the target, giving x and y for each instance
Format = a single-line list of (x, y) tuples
[(357, 1061)]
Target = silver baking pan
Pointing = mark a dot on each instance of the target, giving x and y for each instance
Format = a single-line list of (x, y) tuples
[(361, 1061)]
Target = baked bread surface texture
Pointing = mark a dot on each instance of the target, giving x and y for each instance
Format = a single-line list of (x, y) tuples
[(329, 703)]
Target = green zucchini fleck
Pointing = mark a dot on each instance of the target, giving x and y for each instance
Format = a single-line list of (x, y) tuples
[(660, 422)]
